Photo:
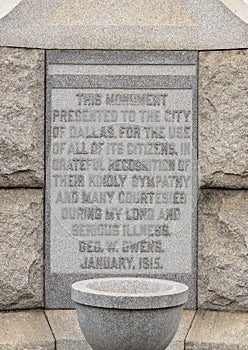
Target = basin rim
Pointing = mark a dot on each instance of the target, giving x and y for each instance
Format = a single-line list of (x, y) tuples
[(176, 294)]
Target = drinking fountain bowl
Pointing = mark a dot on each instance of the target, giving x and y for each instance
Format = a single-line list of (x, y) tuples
[(123, 313)]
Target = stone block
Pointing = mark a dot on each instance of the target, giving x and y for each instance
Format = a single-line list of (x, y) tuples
[(21, 117), (213, 330), (21, 249), (222, 251), (65, 327), (27, 330), (223, 112)]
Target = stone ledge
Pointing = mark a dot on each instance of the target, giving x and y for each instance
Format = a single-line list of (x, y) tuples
[(213, 330), (178, 343), (27, 330), (65, 327), (66, 330), (203, 330)]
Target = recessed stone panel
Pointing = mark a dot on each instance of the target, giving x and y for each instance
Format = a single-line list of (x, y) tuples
[(121, 167)]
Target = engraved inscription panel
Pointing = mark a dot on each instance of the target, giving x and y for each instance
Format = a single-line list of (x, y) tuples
[(121, 180), (121, 173)]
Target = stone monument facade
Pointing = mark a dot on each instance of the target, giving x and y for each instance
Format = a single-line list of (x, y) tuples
[(128, 70)]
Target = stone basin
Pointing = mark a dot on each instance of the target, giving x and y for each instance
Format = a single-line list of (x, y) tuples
[(123, 313)]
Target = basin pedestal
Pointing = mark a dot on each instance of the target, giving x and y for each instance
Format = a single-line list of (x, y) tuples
[(129, 313)]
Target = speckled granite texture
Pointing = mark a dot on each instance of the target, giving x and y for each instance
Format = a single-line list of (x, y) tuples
[(150, 25)]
